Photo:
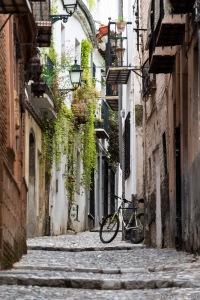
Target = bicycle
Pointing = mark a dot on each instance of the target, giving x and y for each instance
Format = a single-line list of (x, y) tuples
[(133, 226)]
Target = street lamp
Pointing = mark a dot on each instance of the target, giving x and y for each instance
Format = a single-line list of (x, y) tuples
[(70, 7), (75, 73)]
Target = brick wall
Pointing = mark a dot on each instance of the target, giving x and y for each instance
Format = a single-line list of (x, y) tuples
[(13, 191), (156, 147)]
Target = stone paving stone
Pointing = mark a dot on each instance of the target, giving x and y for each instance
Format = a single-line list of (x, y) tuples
[(118, 270), (35, 293), (89, 241)]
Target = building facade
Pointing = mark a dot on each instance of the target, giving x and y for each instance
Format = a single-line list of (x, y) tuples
[(16, 50), (170, 90)]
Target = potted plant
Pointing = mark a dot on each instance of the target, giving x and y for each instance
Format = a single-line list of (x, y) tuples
[(103, 30), (121, 24), (120, 52), (168, 8)]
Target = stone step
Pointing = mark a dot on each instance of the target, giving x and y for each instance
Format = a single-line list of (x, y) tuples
[(82, 249), (91, 280)]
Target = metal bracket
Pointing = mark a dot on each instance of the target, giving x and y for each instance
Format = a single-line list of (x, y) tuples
[(137, 73), (2, 27), (55, 18)]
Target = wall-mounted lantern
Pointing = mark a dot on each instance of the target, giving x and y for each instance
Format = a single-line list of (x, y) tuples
[(70, 7), (75, 73)]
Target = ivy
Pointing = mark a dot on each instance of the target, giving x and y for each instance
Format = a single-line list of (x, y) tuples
[(63, 137), (113, 143)]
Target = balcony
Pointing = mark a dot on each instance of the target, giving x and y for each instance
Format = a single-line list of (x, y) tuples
[(118, 75), (44, 33), (148, 81), (163, 60), (112, 96), (182, 6), (167, 31), (100, 130), (117, 55), (44, 105), (171, 30), (41, 12), (15, 7)]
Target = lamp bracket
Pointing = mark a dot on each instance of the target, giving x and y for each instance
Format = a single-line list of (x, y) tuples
[(64, 18)]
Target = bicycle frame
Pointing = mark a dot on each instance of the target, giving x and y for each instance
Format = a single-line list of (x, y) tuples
[(127, 225), (132, 226)]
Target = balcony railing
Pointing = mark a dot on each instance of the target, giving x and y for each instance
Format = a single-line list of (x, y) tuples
[(182, 6), (112, 96), (117, 55), (167, 30), (41, 12), (101, 133), (102, 125)]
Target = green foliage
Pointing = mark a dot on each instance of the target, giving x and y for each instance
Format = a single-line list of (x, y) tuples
[(138, 114), (89, 153), (121, 19), (91, 3), (113, 143), (61, 135)]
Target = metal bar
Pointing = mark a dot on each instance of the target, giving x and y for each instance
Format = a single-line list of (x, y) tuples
[(5, 22)]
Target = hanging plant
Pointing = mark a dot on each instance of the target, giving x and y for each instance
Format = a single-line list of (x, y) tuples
[(113, 143), (90, 94)]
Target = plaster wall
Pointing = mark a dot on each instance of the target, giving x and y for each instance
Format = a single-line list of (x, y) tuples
[(191, 173), (36, 196)]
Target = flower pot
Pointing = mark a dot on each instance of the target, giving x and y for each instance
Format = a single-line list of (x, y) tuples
[(80, 111), (103, 30), (121, 26), (120, 52)]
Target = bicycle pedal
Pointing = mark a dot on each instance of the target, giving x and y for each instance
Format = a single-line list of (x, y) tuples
[(127, 237)]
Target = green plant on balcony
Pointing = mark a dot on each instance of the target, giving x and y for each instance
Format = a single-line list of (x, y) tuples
[(168, 8), (121, 24), (99, 123), (113, 143)]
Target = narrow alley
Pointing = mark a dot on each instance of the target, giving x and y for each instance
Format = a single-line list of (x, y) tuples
[(79, 266)]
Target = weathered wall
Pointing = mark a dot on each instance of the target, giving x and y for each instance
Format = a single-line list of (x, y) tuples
[(35, 178), (13, 188), (191, 153)]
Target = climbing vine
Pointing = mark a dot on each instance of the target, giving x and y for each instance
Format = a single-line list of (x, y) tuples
[(62, 134), (113, 144)]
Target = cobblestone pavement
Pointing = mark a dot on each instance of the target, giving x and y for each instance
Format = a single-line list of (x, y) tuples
[(81, 267)]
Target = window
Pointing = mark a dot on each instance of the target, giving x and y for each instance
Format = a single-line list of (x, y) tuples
[(127, 146)]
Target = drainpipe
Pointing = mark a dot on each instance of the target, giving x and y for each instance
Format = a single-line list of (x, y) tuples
[(120, 13), (197, 19)]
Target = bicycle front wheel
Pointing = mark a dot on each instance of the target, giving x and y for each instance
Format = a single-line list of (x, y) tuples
[(137, 233), (109, 228)]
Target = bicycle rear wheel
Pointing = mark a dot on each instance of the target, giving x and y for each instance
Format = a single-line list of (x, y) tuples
[(137, 233), (109, 228)]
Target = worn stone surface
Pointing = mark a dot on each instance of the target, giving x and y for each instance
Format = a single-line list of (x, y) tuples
[(133, 272)]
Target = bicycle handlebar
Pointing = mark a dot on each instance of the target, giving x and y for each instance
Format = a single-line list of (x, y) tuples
[(128, 201), (123, 199)]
